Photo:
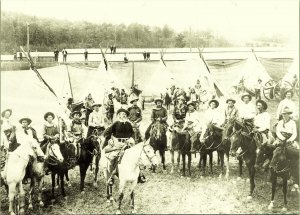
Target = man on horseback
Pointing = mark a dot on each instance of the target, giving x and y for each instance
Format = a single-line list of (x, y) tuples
[(6, 121), (287, 102), (286, 131), (121, 137), (246, 109), (192, 124), (231, 112), (213, 119), (159, 113), (96, 119), (179, 114), (135, 116), (262, 121)]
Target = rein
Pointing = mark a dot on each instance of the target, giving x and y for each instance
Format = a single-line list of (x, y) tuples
[(285, 169)]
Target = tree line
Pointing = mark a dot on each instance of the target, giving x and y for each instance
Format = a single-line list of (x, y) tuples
[(46, 34)]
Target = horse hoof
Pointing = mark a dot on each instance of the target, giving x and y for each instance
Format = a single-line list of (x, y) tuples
[(21, 211), (66, 197), (234, 182), (134, 211), (41, 203), (293, 189), (12, 213), (56, 187), (201, 177), (188, 178), (43, 188), (107, 201), (270, 207), (239, 178), (69, 184), (82, 192), (248, 180), (118, 212), (249, 198), (181, 176), (220, 176), (30, 206), (95, 184), (296, 186), (284, 209)]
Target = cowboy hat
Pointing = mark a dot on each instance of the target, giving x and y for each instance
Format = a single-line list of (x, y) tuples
[(181, 97), (191, 103), (96, 104), (286, 110), (25, 119), (3, 112), (230, 99), (49, 114), (288, 91), (158, 99), (76, 112), (215, 101), (123, 110), (132, 99), (263, 103), (246, 94)]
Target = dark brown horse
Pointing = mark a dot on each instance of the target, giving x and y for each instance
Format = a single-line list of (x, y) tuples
[(158, 140), (243, 138), (283, 164)]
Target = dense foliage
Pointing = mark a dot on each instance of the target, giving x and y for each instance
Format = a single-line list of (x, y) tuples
[(46, 34)]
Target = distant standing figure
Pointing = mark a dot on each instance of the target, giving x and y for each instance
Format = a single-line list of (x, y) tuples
[(148, 55), (56, 53), (258, 87), (145, 55), (65, 53), (85, 55), (111, 49), (167, 99), (21, 56), (125, 59), (115, 49)]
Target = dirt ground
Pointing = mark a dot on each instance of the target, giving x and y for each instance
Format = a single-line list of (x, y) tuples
[(166, 193)]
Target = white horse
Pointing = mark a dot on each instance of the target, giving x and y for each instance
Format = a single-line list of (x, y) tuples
[(129, 170), (14, 172)]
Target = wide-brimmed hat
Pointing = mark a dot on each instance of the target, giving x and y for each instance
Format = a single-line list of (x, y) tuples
[(96, 104), (123, 110), (288, 91), (191, 103), (158, 99), (286, 110), (230, 99), (47, 114), (264, 104), (246, 94), (215, 101), (132, 99), (25, 119), (3, 112), (181, 97), (76, 112)]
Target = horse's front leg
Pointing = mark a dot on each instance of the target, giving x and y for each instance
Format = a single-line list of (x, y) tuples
[(172, 161), (251, 171), (21, 198), (274, 184), (162, 155), (284, 189), (83, 168), (240, 166), (178, 160), (12, 191), (227, 165), (62, 184), (96, 169), (31, 192), (183, 164), (40, 189), (189, 163), (211, 162), (53, 184)]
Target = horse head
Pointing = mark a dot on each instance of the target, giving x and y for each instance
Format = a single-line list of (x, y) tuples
[(53, 152), (149, 153), (279, 162), (157, 130)]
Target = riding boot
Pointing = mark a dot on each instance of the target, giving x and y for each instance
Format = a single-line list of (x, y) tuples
[(141, 178)]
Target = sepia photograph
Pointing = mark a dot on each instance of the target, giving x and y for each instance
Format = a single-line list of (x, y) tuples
[(149, 107)]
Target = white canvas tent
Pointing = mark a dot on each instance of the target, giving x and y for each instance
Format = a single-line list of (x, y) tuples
[(294, 70), (161, 79), (251, 72)]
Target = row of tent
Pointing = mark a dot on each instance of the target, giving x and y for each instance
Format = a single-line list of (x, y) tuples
[(26, 95)]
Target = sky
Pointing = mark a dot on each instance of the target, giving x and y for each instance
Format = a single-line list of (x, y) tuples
[(237, 20)]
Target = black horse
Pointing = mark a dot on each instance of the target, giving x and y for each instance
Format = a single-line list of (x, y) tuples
[(89, 148), (243, 137), (283, 164), (158, 140), (212, 142)]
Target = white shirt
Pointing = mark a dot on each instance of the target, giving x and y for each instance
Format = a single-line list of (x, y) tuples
[(262, 121), (4, 141), (213, 116), (195, 118), (246, 111), (96, 119), (286, 103), (6, 123), (289, 127)]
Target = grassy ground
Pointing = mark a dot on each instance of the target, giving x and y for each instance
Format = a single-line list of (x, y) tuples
[(169, 193)]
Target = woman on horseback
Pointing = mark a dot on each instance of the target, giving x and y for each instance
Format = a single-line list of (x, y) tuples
[(96, 119), (6, 121), (246, 109), (159, 113), (51, 132), (121, 137), (135, 116)]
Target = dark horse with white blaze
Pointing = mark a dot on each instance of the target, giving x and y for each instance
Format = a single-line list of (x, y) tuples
[(158, 140), (284, 164), (244, 139)]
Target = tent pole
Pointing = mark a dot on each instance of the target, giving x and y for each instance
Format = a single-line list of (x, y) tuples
[(132, 77), (71, 89)]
